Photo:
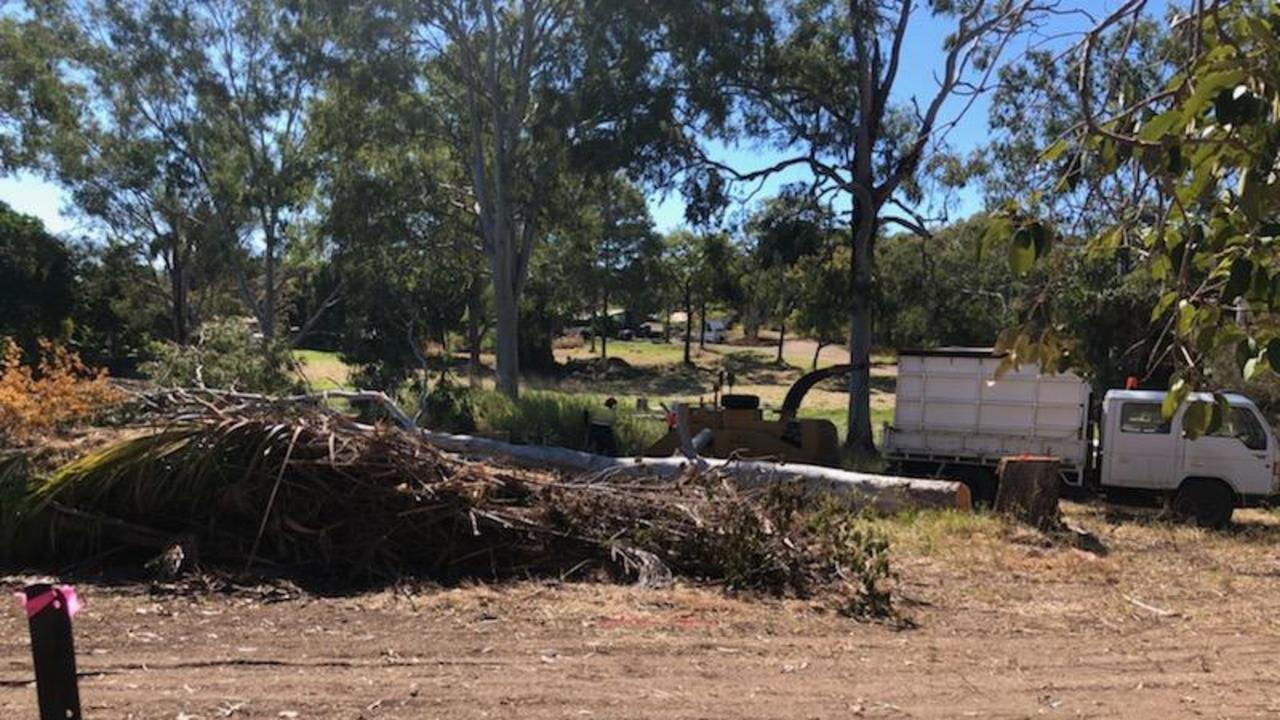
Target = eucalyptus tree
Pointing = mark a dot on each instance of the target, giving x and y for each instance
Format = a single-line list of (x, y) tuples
[(37, 103), (1035, 106), (684, 260), (819, 83), (624, 242), (1210, 238), (528, 92), (786, 229), (195, 122)]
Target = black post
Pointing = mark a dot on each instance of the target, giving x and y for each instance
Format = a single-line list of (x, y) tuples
[(49, 611)]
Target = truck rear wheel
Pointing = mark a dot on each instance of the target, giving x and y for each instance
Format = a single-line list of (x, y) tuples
[(1209, 503)]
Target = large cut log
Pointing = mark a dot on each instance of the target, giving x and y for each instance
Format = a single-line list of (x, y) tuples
[(885, 493), (1029, 490)]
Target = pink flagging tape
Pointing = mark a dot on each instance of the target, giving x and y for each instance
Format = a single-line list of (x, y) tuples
[(54, 596)]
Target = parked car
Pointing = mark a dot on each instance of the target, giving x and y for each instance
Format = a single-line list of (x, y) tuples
[(715, 331)]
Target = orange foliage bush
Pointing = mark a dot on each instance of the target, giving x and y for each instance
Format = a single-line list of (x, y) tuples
[(58, 391)]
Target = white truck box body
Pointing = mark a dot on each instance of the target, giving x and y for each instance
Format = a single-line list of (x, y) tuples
[(951, 407)]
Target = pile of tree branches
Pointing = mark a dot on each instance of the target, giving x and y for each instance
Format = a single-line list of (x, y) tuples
[(295, 488)]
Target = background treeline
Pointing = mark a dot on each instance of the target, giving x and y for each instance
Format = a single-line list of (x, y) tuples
[(401, 182)]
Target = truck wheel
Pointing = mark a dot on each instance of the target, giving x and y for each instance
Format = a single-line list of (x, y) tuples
[(1209, 503)]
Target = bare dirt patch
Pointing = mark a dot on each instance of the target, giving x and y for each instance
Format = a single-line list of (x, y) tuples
[(1170, 622)]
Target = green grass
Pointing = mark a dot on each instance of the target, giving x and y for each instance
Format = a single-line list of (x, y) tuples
[(932, 532), (839, 416), (549, 417), (324, 370)]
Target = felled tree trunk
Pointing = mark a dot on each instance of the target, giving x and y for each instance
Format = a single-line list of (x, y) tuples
[(1029, 490), (884, 493)]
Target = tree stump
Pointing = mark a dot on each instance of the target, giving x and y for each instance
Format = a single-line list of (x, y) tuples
[(1029, 490)]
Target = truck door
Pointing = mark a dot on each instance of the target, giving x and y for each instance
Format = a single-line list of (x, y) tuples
[(1238, 453), (1140, 451)]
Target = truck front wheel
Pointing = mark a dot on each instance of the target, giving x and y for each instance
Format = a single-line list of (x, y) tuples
[(1209, 503)]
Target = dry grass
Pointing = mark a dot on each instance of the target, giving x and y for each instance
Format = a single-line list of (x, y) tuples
[(1153, 571)]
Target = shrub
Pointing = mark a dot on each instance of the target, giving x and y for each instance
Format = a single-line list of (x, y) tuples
[(448, 406), (226, 356), (54, 391), (857, 552)]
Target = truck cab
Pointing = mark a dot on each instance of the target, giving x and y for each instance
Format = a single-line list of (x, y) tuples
[(1206, 478)]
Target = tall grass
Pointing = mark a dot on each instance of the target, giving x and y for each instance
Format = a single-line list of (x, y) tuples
[(547, 417)]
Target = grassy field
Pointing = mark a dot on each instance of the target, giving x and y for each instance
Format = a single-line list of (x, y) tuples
[(323, 370)]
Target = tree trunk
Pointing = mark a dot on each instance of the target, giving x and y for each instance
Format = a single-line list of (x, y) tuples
[(475, 302), (817, 352), (782, 339), (702, 326), (751, 320), (1029, 490), (666, 325), (604, 333), (860, 440), (883, 493), (179, 287), (268, 319), (507, 347), (688, 320)]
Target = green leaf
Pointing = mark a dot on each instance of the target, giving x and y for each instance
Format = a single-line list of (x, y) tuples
[(1195, 421), (1186, 318), (1022, 252), (1207, 88), (1161, 268), (1161, 125), (1253, 367), (1054, 151), (999, 229), (1105, 245), (1166, 301), (1178, 392)]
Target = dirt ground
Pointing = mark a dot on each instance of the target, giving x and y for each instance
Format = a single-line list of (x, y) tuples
[(1167, 622)]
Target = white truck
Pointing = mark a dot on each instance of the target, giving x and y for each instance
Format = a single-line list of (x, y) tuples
[(954, 418)]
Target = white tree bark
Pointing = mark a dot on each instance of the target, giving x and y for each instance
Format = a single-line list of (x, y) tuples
[(884, 493)]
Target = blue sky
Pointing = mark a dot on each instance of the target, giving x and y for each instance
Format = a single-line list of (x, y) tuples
[(30, 194)]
